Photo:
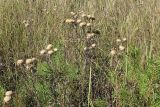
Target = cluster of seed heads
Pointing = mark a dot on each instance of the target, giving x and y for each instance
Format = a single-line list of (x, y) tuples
[(76, 21), (8, 96), (48, 50), (120, 46)]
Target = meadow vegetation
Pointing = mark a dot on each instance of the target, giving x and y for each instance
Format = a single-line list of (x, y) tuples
[(79, 53)]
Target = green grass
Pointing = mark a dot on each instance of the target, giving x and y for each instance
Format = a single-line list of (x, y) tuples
[(65, 79)]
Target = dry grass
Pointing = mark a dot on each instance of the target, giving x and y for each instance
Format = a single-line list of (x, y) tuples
[(82, 68)]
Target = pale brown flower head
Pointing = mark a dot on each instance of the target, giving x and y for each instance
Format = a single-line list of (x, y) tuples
[(19, 62), (84, 15), (90, 35), (50, 52), (121, 48), (113, 52), (70, 21), (34, 59), (124, 39), (82, 24), (55, 49), (49, 47), (89, 24), (43, 52), (8, 93), (7, 99), (118, 40), (72, 13), (28, 61), (93, 45), (78, 21), (85, 48)]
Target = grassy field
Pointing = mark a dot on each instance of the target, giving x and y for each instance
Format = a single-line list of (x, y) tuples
[(79, 53)]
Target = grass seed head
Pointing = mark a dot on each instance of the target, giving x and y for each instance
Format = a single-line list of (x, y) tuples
[(34, 59)]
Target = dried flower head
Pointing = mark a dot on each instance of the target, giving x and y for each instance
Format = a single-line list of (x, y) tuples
[(70, 21), (88, 16), (85, 48), (92, 18), (113, 52), (82, 24), (121, 48), (49, 47), (19, 62), (90, 35), (29, 67), (93, 45), (8, 93), (72, 13), (55, 49), (43, 52), (28, 61), (89, 24), (34, 59), (84, 15), (124, 39), (118, 40), (7, 99), (50, 52), (78, 21)]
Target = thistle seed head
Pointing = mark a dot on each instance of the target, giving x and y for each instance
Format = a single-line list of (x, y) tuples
[(49, 47), (7, 99), (19, 62), (8, 93), (82, 24), (43, 52), (121, 48)]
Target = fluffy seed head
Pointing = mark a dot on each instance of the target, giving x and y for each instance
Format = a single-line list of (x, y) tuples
[(121, 48), (82, 24), (72, 13), (28, 61), (78, 21), (43, 52), (70, 21), (33, 59), (118, 40), (55, 49), (49, 47), (85, 48), (93, 45), (8, 93), (90, 35), (19, 62), (89, 24), (124, 39), (113, 52), (50, 52), (7, 99), (84, 15)]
